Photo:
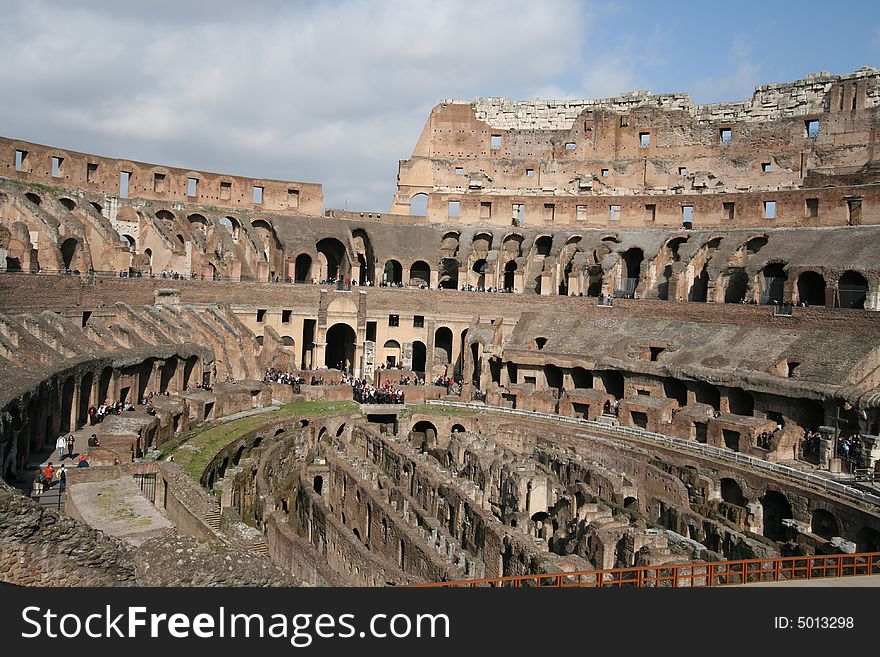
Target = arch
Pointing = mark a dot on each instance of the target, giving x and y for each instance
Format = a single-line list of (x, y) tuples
[(340, 430), (630, 271), (480, 269), (458, 428), (33, 198), (418, 205), (340, 347), (70, 250), (443, 342), (149, 254), (393, 272), (302, 268), (706, 393), (68, 203), (674, 244), (318, 484), (852, 290), (732, 493), (811, 288), (85, 398), (166, 215), (543, 245), (700, 287), (426, 428), (581, 378), (288, 341), (448, 278), (67, 389), (675, 389), (737, 285), (775, 278), (776, 509), (868, 540), (419, 357), (482, 242), (613, 382), (824, 524), (755, 244), (336, 257), (198, 221), (366, 258), (128, 240), (420, 273), (740, 402), (391, 353), (278, 432), (553, 375), (509, 275), (104, 380), (238, 454)]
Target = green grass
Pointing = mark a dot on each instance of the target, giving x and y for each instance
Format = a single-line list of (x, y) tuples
[(194, 450)]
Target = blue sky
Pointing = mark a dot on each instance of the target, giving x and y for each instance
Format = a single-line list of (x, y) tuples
[(338, 92)]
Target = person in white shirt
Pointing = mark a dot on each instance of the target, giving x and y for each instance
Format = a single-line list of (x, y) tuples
[(61, 445)]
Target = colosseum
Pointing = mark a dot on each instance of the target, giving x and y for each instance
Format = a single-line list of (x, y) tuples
[(589, 338)]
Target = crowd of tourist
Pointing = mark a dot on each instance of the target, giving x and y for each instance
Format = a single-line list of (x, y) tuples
[(98, 413), (366, 393)]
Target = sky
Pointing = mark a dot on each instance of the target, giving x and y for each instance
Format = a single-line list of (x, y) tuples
[(338, 92)]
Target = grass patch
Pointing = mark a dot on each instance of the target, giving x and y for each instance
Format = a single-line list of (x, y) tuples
[(195, 449)]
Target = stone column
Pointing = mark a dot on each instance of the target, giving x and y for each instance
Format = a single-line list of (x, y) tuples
[(318, 354)]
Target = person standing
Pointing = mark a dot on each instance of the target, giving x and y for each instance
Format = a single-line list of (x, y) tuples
[(38, 482), (60, 444), (49, 474), (62, 479), (71, 444)]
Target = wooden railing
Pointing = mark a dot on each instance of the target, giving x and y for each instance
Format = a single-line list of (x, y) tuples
[(694, 575)]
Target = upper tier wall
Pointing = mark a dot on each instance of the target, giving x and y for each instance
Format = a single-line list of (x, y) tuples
[(35, 163)]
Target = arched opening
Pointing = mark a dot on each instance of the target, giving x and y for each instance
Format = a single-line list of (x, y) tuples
[(336, 258), (776, 509), (232, 225), (425, 430), (581, 378), (543, 245), (448, 279), (169, 369), (443, 344), (149, 254), (824, 524), (197, 221), (700, 287), (675, 389), (70, 250), (596, 281), (478, 364), (613, 383), (509, 275), (393, 273), (278, 432), (391, 353), (740, 402), (363, 248), (85, 398), (340, 347), (418, 205), (238, 454), (165, 215), (420, 273), (340, 430), (868, 540), (737, 285), (128, 240), (811, 289), (66, 403), (775, 277), (852, 290), (302, 268), (553, 375), (68, 203), (732, 493), (318, 484), (755, 244), (33, 198), (630, 268), (458, 428), (104, 383), (480, 271), (706, 393), (419, 357), (288, 341)]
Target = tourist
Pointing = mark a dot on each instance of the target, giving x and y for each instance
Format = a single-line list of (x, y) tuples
[(49, 474), (61, 445), (71, 445), (39, 480), (93, 441), (83, 461), (61, 475)]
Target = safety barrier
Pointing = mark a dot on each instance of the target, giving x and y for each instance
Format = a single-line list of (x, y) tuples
[(698, 448), (693, 575)]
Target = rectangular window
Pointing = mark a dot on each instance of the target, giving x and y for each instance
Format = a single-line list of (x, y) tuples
[(285, 316), (729, 210), (644, 139), (549, 211), (225, 190), (854, 211), (769, 209), (485, 209), (530, 379), (418, 321), (682, 171), (519, 214), (687, 215), (371, 331), (20, 157), (530, 172), (159, 182), (604, 173), (650, 212), (192, 185), (812, 128), (56, 166), (261, 315), (766, 167), (454, 209), (811, 207), (91, 172), (614, 212), (293, 198), (726, 136), (393, 320), (581, 213), (495, 142), (459, 171), (257, 196), (124, 180), (570, 146)]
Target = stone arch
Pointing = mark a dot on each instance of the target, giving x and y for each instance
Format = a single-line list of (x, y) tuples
[(774, 278), (868, 540), (852, 290), (420, 273), (427, 428), (68, 203), (776, 508), (197, 220), (479, 269), (824, 524), (613, 382), (543, 245), (740, 402), (418, 205), (288, 341), (419, 357), (85, 398), (71, 254), (340, 346), (165, 215), (448, 277), (553, 375), (630, 271), (810, 286), (128, 240), (731, 492), (393, 272), (457, 428), (391, 353), (33, 198), (333, 258), (737, 285), (366, 258), (302, 268), (581, 378), (443, 343), (510, 275)]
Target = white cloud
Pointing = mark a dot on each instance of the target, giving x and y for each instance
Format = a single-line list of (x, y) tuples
[(334, 93), (737, 82)]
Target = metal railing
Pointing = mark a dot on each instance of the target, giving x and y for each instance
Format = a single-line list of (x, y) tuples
[(693, 575), (824, 483)]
